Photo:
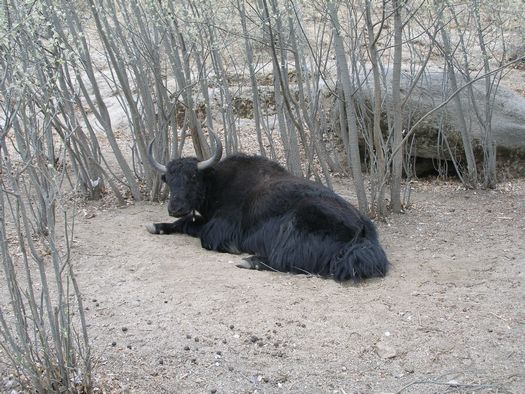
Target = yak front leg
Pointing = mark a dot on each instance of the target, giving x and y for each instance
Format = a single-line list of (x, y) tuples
[(190, 224)]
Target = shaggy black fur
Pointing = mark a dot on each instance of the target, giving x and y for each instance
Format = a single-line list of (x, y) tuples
[(253, 205)]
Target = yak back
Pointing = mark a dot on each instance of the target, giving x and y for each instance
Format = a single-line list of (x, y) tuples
[(252, 190), (313, 208)]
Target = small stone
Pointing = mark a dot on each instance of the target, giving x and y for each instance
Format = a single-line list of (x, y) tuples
[(231, 326), (188, 336), (113, 343), (253, 339), (129, 347), (186, 347), (124, 329), (197, 339), (408, 369), (385, 351)]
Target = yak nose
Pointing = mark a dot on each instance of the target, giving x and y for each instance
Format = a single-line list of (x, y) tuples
[(177, 213), (178, 208)]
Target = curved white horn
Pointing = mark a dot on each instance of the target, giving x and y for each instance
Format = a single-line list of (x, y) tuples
[(156, 165), (215, 157)]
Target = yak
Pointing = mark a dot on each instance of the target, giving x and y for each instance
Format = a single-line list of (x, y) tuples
[(250, 204)]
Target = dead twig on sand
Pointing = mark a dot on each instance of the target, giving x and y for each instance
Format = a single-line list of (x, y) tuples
[(452, 384)]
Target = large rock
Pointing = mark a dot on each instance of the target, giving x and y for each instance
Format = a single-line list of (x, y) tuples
[(508, 119)]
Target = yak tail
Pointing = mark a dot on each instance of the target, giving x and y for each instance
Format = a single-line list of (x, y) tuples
[(360, 259)]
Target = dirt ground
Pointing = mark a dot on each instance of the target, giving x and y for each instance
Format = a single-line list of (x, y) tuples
[(166, 316)]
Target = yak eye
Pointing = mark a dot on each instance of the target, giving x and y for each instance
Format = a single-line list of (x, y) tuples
[(163, 178)]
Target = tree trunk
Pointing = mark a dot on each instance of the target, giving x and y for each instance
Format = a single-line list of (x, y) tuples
[(347, 87), (397, 160)]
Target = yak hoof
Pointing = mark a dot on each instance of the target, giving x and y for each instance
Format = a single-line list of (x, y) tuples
[(252, 263), (151, 228), (245, 264)]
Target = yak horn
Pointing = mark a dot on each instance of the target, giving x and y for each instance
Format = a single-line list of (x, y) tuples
[(215, 157), (156, 165)]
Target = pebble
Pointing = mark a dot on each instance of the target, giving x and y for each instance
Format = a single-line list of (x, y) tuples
[(385, 351)]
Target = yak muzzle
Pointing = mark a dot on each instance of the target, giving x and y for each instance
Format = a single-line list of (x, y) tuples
[(178, 213)]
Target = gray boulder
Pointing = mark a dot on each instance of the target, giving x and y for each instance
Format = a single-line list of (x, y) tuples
[(508, 115), (438, 136)]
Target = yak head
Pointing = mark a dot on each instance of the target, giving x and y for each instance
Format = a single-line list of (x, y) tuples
[(185, 180)]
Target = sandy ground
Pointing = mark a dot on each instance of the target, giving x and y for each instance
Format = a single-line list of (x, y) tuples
[(167, 316)]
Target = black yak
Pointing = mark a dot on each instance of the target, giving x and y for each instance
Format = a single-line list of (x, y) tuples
[(249, 204)]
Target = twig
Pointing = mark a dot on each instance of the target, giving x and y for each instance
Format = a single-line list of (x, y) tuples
[(452, 384), (501, 318)]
